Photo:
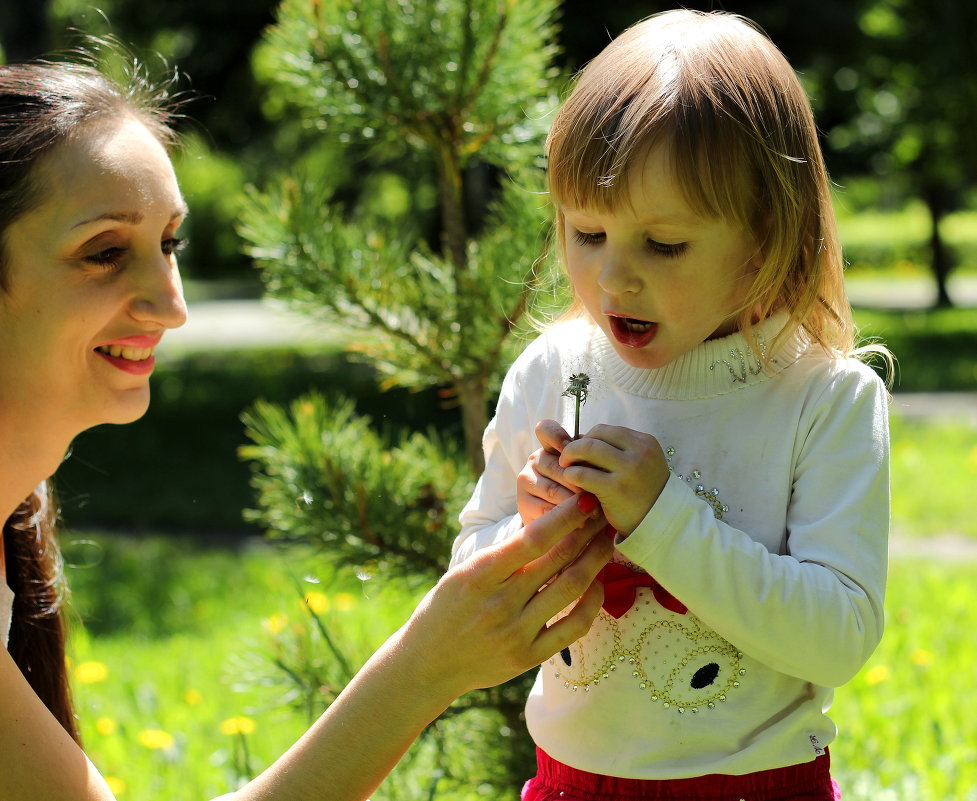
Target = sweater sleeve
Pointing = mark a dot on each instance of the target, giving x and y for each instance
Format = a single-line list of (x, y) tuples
[(490, 514), (816, 612)]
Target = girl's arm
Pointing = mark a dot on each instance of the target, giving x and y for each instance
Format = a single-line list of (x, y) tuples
[(483, 623)]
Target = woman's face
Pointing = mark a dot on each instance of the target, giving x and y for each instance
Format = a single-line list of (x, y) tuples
[(91, 280)]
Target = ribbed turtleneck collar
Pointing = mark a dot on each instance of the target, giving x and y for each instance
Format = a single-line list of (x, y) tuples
[(716, 367)]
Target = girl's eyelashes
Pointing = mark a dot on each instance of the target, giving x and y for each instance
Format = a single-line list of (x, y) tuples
[(668, 250), (585, 239)]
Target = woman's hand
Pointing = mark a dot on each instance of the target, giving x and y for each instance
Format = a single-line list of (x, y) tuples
[(486, 620), (625, 469)]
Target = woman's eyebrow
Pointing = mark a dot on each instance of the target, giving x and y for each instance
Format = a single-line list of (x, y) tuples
[(129, 217)]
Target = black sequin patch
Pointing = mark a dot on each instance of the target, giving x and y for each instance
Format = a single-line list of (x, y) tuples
[(704, 676)]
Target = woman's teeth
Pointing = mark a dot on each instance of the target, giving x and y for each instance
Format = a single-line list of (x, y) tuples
[(120, 351)]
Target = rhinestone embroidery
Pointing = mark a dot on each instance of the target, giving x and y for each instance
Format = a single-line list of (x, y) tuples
[(747, 363), (678, 663)]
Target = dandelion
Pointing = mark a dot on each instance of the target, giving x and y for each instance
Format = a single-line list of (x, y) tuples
[(577, 388), (155, 739), (878, 674), (921, 657), (91, 672), (237, 725), (106, 726), (116, 785), (276, 624), (317, 602), (344, 601), (193, 698)]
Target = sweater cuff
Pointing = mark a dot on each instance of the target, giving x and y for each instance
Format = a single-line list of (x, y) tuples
[(659, 525)]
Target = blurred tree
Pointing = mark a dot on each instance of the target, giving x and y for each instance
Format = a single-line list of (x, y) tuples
[(446, 101), (912, 95)]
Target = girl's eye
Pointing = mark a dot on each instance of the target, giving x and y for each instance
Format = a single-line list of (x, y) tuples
[(585, 239), (172, 245), (666, 250)]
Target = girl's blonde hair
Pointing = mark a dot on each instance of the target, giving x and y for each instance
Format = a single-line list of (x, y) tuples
[(742, 141)]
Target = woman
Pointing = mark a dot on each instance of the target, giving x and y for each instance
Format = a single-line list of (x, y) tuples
[(89, 214)]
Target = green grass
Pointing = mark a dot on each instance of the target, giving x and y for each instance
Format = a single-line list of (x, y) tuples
[(907, 722), (936, 349), (934, 472), (181, 641)]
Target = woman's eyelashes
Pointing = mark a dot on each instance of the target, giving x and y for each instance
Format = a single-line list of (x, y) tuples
[(112, 258), (668, 250)]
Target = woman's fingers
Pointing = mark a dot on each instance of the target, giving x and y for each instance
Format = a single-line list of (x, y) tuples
[(498, 563)]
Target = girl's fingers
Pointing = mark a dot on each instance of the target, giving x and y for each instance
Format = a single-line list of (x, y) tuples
[(552, 436)]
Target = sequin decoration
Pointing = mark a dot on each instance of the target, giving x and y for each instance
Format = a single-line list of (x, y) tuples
[(675, 661), (744, 363), (710, 496)]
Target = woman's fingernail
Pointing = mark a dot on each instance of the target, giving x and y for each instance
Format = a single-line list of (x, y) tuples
[(586, 502)]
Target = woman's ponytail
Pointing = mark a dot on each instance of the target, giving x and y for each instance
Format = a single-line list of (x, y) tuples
[(37, 629)]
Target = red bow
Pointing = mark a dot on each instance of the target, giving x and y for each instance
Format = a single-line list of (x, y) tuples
[(621, 588)]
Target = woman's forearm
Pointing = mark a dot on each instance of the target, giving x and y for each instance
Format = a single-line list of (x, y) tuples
[(483, 623)]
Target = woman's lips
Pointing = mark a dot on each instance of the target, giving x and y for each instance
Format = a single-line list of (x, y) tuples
[(133, 366), (631, 332), (132, 354)]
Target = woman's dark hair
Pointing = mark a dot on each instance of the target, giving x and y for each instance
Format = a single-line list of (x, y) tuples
[(43, 105)]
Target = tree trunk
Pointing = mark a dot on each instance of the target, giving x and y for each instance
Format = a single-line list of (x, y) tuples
[(474, 418), (940, 256)]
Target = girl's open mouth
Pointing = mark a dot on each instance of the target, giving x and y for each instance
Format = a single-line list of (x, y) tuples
[(631, 332)]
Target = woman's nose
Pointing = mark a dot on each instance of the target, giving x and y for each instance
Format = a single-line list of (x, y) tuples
[(617, 275), (158, 296)]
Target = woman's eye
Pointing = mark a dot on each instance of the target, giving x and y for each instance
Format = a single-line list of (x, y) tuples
[(667, 250), (172, 245), (585, 239), (108, 259)]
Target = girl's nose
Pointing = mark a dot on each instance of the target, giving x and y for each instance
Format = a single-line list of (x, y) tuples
[(158, 296), (617, 275)]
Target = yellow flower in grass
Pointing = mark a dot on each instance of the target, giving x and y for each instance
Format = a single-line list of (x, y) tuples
[(317, 602), (106, 726), (275, 624), (922, 658), (116, 785), (192, 698), (237, 725), (156, 739), (91, 672), (878, 674), (344, 601)]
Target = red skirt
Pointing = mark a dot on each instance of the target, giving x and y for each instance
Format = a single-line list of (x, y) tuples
[(810, 781)]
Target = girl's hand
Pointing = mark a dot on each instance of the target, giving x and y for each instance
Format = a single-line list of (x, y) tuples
[(625, 469), (541, 485)]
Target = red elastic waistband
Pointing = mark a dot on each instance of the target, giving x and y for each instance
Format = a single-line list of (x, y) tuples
[(810, 779)]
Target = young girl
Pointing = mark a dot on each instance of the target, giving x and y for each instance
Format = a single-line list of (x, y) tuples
[(89, 216), (737, 446)]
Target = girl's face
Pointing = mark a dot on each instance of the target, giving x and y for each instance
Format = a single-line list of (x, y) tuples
[(91, 281), (655, 276)]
